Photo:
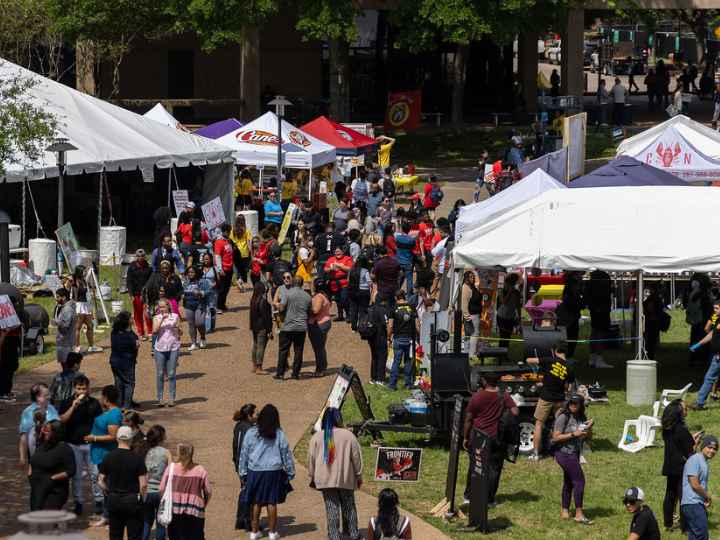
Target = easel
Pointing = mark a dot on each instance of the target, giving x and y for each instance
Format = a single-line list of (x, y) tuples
[(446, 508), (98, 296)]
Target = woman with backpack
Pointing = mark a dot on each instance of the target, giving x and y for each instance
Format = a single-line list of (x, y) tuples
[(266, 469), (388, 524), (359, 286), (473, 309), (570, 430), (433, 195), (319, 323), (244, 419)]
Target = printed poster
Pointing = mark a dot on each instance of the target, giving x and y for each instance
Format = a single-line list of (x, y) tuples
[(213, 213), (68, 244), (398, 464), (335, 398), (180, 199), (403, 110), (287, 220), (8, 317)]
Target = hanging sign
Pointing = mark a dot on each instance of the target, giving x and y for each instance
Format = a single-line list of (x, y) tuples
[(213, 213), (180, 199)]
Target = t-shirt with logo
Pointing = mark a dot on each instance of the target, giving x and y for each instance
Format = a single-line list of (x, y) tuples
[(404, 321), (556, 374), (645, 525)]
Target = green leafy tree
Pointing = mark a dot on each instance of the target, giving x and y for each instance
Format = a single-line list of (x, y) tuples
[(332, 21), (25, 129), (112, 26)]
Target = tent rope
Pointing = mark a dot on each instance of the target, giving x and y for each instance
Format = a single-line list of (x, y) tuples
[(38, 226), (24, 212), (108, 198)]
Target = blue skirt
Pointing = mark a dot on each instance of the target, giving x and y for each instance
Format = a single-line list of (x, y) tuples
[(266, 487)]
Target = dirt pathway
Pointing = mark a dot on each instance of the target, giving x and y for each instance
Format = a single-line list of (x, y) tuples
[(211, 385)]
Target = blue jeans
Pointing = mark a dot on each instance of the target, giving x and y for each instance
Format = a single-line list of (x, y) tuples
[(402, 348), (711, 375), (125, 384), (150, 508), (696, 521), (211, 311), (408, 271), (165, 363)]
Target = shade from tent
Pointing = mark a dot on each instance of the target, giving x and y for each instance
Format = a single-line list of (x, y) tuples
[(627, 171), (161, 114), (218, 129), (347, 142), (256, 144), (474, 215), (680, 146), (107, 137), (616, 229)]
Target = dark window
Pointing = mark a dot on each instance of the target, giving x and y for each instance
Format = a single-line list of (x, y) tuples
[(181, 75)]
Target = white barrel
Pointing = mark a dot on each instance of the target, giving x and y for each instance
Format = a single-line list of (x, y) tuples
[(43, 253), (641, 382), (251, 221), (116, 306), (15, 236), (112, 245)]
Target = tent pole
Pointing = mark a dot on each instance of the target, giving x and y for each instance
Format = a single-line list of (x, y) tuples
[(640, 317), (672, 290), (99, 216), (169, 186), (622, 302), (310, 183), (24, 206)]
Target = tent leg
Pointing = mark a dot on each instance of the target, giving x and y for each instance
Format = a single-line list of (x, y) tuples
[(24, 211), (169, 187), (641, 354), (310, 183), (100, 207)]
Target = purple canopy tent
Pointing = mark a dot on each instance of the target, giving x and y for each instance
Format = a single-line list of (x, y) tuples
[(626, 171), (218, 129)]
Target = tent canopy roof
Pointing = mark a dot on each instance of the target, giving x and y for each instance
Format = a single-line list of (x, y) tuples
[(107, 137), (681, 146), (161, 114), (620, 228), (626, 171), (218, 129), (348, 142), (256, 143), (475, 215)]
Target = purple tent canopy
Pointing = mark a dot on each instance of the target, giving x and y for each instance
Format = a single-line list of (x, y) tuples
[(626, 171), (218, 129)]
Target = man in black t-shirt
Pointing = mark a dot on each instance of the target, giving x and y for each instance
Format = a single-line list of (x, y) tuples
[(643, 526), (123, 477), (402, 329), (324, 245), (557, 376), (77, 415)]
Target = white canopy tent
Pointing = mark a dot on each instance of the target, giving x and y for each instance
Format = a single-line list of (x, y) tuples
[(680, 146), (614, 229), (109, 138), (161, 114), (477, 214)]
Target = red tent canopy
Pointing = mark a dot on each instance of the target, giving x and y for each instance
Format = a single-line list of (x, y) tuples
[(347, 141)]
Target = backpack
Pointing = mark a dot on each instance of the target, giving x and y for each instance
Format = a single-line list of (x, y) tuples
[(508, 433), (354, 279), (400, 528), (369, 252), (366, 325), (389, 187), (436, 194)]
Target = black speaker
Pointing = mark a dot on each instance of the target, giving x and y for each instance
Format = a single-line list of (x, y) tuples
[(450, 372), (540, 341)]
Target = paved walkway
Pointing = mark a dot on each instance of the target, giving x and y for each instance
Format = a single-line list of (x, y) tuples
[(211, 385)]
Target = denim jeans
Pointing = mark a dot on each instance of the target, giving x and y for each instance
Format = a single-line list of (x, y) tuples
[(408, 271), (402, 349), (696, 521), (211, 311), (196, 322), (98, 496), (165, 363), (125, 384), (318, 333), (81, 452), (150, 508), (711, 375)]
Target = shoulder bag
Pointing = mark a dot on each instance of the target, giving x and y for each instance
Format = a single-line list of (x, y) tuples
[(165, 513)]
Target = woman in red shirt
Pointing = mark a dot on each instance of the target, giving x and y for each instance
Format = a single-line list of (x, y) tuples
[(389, 239), (337, 269)]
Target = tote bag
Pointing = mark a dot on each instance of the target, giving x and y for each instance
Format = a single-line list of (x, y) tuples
[(165, 513)]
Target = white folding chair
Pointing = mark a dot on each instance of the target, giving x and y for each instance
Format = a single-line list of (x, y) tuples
[(644, 428), (666, 397)]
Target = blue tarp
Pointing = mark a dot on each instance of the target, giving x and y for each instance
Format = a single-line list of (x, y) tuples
[(626, 171)]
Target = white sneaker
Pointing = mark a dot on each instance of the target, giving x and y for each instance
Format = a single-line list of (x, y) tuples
[(202, 343), (193, 347), (533, 457), (273, 536), (601, 364), (255, 536), (95, 348)]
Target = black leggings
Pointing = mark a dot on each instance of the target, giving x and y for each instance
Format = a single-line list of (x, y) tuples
[(242, 265), (673, 494)]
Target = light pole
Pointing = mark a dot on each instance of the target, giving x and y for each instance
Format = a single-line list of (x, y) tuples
[(60, 147), (4, 247), (279, 103)]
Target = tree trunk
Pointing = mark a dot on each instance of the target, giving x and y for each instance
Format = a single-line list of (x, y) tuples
[(458, 84), (85, 67), (250, 105), (381, 83), (339, 80)]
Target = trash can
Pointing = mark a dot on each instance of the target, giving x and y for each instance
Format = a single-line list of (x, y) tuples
[(641, 380)]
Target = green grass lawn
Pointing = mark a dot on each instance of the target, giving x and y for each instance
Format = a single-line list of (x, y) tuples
[(437, 149), (530, 492), (111, 274)]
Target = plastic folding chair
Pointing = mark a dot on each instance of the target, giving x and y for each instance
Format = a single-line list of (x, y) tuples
[(666, 397), (645, 428)]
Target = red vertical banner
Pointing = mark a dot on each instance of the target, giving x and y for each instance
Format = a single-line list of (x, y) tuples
[(403, 110)]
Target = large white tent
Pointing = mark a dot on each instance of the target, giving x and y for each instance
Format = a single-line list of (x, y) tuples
[(680, 146), (109, 138), (475, 215), (619, 228), (256, 144), (161, 114)]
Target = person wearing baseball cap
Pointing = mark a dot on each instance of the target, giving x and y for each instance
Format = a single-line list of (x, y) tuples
[(695, 495), (123, 476), (643, 526)]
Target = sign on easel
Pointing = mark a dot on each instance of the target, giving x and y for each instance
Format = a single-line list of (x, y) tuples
[(398, 464), (180, 199), (68, 244), (347, 378), (213, 213), (97, 295), (287, 220), (8, 316)]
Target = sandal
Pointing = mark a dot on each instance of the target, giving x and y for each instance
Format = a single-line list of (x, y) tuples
[(584, 521)]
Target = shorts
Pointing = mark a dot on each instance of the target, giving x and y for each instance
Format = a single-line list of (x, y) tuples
[(83, 308), (544, 409)]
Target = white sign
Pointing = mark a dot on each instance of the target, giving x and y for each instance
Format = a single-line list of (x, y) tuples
[(8, 317), (180, 199), (574, 139), (214, 213)]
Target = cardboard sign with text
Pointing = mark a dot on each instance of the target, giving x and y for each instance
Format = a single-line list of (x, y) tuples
[(213, 213), (8, 317), (180, 199), (398, 464)]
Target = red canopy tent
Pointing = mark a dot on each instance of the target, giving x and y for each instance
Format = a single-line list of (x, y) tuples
[(347, 141)]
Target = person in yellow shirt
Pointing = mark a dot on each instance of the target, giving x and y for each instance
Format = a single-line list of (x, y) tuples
[(289, 189), (386, 144), (241, 240), (243, 190)]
